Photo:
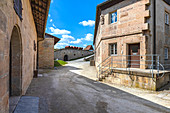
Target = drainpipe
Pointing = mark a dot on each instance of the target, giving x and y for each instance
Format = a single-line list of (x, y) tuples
[(37, 67), (154, 31)]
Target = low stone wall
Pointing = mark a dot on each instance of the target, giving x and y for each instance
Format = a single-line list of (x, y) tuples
[(138, 80), (71, 54)]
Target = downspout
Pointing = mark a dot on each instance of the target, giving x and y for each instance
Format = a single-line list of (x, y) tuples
[(37, 67), (154, 31)]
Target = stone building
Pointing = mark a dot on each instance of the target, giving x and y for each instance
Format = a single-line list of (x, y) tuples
[(22, 24), (46, 51), (70, 53), (131, 31)]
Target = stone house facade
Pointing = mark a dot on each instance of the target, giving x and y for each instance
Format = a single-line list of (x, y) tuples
[(23, 23), (46, 51), (70, 53), (132, 27)]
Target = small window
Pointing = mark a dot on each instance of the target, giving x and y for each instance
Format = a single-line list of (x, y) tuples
[(113, 49), (113, 17), (18, 8), (166, 18), (166, 53), (74, 54)]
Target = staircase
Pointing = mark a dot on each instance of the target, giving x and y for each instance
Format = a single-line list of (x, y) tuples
[(104, 69)]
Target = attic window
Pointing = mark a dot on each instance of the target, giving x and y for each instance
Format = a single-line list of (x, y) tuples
[(18, 8), (113, 17)]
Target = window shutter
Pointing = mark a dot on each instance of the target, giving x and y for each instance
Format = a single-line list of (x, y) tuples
[(16, 2), (20, 9)]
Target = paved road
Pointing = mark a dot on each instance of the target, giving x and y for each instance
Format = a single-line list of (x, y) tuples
[(63, 91)]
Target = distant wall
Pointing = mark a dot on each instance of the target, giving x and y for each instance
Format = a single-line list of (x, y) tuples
[(71, 53), (46, 53)]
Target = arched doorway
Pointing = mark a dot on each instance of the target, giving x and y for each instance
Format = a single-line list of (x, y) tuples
[(15, 75), (66, 58)]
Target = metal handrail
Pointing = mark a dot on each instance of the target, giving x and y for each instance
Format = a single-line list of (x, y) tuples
[(104, 61), (148, 59)]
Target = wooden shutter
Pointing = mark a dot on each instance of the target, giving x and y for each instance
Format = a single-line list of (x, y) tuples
[(18, 8)]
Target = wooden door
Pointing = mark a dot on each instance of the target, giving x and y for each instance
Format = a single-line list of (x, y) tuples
[(134, 52)]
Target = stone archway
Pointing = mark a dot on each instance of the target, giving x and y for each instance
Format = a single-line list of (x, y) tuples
[(15, 75), (65, 57)]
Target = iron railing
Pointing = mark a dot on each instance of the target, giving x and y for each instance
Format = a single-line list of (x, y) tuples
[(154, 63)]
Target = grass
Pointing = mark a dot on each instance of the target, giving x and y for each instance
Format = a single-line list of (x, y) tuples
[(59, 63)]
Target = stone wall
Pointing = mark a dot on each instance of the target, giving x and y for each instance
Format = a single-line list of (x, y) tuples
[(131, 27), (71, 53), (138, 80), (162, 37), (46, 53), (27, 36)]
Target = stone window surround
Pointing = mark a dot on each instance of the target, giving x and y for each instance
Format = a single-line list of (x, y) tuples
[(167, 26), (167, 19), (109, 22)]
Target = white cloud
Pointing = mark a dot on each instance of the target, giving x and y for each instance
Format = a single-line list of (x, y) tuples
[(59, 31), (87, 23), (52, 1), (68, 37), (49, 15), (51, 20), (54, 26), (85, 45), (61, 45), (89, 37), (76, 42)]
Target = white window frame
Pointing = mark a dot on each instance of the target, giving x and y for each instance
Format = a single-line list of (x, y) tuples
[(114, 49), (166, 18), (166, 53)]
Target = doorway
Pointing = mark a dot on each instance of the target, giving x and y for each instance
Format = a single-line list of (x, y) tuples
[(65, 57), (134, 58), (15, 64)]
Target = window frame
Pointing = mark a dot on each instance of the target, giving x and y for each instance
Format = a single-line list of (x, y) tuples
[(113, 51), (110, 17), (166, 54), (166, 18)]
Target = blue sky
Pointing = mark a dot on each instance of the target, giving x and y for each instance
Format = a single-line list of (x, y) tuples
[(72, 21)]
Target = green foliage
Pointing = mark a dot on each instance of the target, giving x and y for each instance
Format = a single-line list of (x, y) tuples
[(59, 63)]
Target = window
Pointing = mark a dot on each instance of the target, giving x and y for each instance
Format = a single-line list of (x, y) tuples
[(113, 17), (166, 18), (113, 49), (18, 8), (166, 53), (166, 23)]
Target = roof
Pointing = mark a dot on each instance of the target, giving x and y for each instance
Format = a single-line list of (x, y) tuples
[(89, 47), (56, 39), (101, 7), (167, 1), (40, 9)]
